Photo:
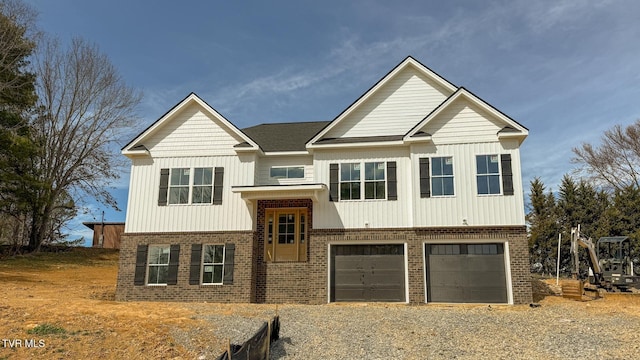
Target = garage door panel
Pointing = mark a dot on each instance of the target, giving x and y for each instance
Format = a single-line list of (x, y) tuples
[(466, 273), (368, 273)]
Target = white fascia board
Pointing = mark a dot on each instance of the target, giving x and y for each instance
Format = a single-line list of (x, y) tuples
[(135, 153), (286, 153), (251, 193), (376, 144), (169, 115), (409, 61)]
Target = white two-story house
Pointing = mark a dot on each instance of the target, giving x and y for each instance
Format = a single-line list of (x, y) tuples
[(413, 194)]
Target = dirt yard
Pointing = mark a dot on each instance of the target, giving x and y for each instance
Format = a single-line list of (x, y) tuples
[(61, 306)]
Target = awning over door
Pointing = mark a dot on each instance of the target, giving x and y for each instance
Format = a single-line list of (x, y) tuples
[(466, 273), (274, 192)]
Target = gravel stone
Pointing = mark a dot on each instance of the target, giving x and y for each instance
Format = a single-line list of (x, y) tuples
[(382, 331)]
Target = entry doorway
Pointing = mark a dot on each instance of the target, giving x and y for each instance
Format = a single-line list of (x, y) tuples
[(285, 234)]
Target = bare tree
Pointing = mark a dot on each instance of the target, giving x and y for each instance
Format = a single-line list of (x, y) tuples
[(84, 108), (616, 162)]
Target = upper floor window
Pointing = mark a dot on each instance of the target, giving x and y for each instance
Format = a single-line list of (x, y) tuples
[(201, 185), (442, 176), (488, 174), (290, 172), (179, 186), (353, 182), (350, 181), (374, 183)]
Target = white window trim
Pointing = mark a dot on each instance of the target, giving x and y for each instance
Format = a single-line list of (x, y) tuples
[(499, 175), (149, 264), (363, 181), (287, 175), (443, 176), (203, 264), (192, 172)]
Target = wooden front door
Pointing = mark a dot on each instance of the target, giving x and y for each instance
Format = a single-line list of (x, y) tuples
[(286, 234)]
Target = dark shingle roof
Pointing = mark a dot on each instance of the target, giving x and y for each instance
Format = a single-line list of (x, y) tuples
[(284, 136)]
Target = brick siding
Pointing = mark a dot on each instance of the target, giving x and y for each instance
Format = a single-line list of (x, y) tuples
[(305, 282), (239, 291)]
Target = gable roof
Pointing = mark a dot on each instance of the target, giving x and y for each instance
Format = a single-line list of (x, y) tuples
[(511, 127), (408, 61), (133, 147), (284, 136)]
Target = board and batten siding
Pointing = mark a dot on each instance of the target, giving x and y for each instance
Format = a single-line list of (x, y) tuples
[(363, 213), (462, 122), (144, 214), (192, 132), (394, 108), (265, 163), (466, 204)]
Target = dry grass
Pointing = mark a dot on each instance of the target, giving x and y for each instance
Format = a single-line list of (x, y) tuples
[(74, 292)]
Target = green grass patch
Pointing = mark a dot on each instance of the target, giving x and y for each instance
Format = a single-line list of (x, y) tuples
[(47, 329)]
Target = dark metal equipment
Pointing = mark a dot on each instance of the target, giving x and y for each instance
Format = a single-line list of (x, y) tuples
[(610, 263)]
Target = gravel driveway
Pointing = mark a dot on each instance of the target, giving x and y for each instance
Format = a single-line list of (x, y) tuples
[(560, 330)]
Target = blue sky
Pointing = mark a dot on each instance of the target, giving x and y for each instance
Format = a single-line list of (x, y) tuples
[(567, 70)]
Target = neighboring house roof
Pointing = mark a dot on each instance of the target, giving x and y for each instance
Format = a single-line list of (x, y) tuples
[(91, 225), (283, 136)]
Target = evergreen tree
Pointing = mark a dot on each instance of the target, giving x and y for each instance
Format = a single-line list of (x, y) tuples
[(543, 229)]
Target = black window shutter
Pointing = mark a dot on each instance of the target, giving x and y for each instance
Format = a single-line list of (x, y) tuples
[(229, 252), (141, 265), (392, 182), (194, 271), (217, 185), (333, 182), (425, 178), (174, 260), (164, 187), (507, 174)]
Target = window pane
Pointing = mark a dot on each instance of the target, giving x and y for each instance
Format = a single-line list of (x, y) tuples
[(217, 274), (355, 171), (197, 176), (202, 176), (380, 190), (208, 254), (162, 272), (492, 164), (175, 176), (369, 171), (436, 187), (183, 195), (207, 276), (196, 196), (218, 255), (483, 185), (447, 184), (436, 167), (345, 172), (494, 184), (369, 190), (355, 191), (481, 164), (296, 172), (345, 191), (278, 172), (447, 166)]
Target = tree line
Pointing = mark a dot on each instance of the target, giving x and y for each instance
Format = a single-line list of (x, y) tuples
[(603, 197), (63, 109)]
